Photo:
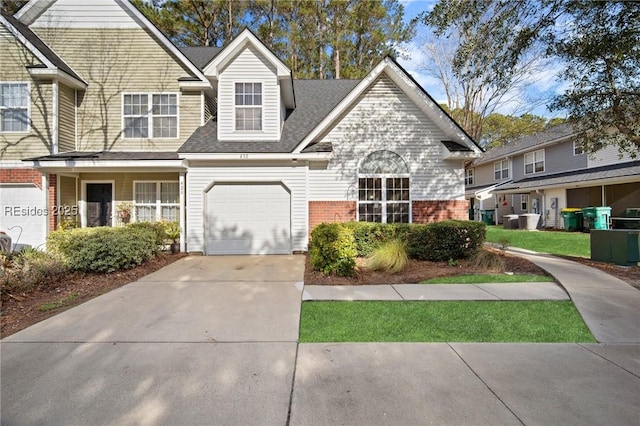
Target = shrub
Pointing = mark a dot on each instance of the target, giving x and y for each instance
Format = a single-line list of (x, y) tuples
[(368, 236), (442, 241), (104, 249), (390, 256), (24, 270), (333, 249), (158, 228)]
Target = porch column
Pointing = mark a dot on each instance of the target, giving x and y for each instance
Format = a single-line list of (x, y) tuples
[(183, 234)]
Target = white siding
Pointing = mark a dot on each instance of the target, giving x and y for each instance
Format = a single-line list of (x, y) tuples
[(606, 157), (249, 66), (85, 14), (384, 118), (201, 176)]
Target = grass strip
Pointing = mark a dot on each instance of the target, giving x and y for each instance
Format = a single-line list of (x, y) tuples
[(58, 303), (446, 321), (553, 242), (488, 278)]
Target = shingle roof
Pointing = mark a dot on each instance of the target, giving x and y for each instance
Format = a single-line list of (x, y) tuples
[(315, 99), (595, 173), (108, 155), (200, 56), (526, 142), (32, 38)]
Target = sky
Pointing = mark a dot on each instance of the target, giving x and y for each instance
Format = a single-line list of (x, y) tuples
[(542, 85)]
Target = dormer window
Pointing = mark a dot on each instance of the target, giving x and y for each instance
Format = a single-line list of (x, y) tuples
[(248, 106)]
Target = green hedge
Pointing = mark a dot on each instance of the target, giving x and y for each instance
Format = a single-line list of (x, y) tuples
[(333, 249), (334, 246), (104, 249)]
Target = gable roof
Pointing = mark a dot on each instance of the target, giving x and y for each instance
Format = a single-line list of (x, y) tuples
[(526, 143), (35, 8), (314, 100), (39, 48), (414, 91)]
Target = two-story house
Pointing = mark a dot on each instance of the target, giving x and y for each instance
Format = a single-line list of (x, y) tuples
[(548, 171), (101, 113)]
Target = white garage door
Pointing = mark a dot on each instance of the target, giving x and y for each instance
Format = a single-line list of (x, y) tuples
[(22, 213), (248, 219)]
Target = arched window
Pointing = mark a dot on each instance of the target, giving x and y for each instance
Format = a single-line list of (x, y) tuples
[(383, 189)]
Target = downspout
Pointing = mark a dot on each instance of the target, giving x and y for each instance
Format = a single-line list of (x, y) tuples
[(54, 117)]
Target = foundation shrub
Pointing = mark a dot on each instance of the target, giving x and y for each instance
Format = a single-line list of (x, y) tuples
[(442, 241), (23, 271), (369, 236), (104, 249), (333, 249), (158, 228)]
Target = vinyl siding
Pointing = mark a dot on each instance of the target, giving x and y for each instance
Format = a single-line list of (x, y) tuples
[(483, 175), (558, 158), (67, 190), (606, 157), (66, 119), (15, 59), (201, 176), (85, 14), (249, 66), (117, 61), (384, 118)]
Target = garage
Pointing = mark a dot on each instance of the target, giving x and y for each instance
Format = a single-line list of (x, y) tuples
[(22, 213), (248, 218)]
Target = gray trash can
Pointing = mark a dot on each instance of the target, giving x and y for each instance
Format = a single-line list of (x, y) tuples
[(510, 221)]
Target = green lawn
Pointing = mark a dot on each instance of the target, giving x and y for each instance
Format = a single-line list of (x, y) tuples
[(554, 242), (478, 321), (488, 278)]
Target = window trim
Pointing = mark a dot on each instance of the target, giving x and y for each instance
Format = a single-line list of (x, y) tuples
[(158, 204), (469, 176), (502, 169), (383, 187), (236, 106), (578, 147), (28, 130), (534, 162), (149, 115)]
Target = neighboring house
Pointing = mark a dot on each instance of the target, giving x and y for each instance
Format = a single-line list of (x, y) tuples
[(100, 109), (548, 171)]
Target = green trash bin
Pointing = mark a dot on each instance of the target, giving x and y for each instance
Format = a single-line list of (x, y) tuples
[(572, 218), (487, 216), (598, 217)]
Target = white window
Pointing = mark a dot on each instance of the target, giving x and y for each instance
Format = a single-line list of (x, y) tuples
[(468, 177), (14, 107), (524, 202), (501, 169), (383, 189), (578, 148), (156, 201), (248, 106), (534, 162), (150, 115)]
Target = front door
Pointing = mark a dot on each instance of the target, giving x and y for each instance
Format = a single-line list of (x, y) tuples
[(99, 199)]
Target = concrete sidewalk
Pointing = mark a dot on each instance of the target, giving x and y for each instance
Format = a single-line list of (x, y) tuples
[(510, 291)]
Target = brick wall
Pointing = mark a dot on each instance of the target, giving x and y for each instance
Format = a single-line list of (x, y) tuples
[(53, 201), (435, 211), (21, 176), (330, 211)]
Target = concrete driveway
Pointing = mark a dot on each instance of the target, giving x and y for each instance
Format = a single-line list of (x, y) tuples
[(207, 340)]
